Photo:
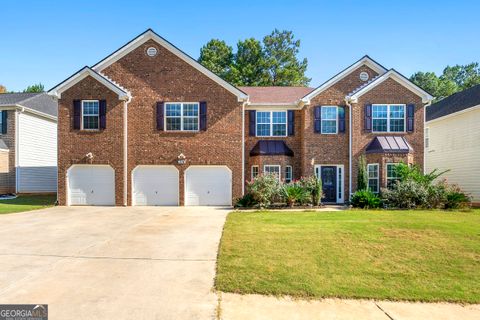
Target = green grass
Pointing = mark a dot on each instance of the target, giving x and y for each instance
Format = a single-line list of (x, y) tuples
[(395, 255), (27, 203)]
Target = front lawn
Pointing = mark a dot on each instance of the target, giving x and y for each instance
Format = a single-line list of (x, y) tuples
[(398, 255), (27, 203)]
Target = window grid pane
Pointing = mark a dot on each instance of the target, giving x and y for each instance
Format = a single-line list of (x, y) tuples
[(263, 123), (392, 175), (90, 113), (388, 118), (272, 170), (372, 170), (181, 116), (288, 174), (329, 120)]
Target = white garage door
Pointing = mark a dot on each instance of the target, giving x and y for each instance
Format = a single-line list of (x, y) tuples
[(155, 186), (92, 185), (208, 186)]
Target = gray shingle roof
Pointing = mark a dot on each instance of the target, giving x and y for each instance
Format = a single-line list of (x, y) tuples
[(456, 102), (41, 102)]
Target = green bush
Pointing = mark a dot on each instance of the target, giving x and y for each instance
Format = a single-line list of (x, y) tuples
[(362, 176), (417, 190), (406, 194), (247, 201), (313, 187), (294, 193), (365, 199), (265, 189), (455, 198)]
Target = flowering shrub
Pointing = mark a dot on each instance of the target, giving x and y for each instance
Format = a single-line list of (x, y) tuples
[(265, 189)]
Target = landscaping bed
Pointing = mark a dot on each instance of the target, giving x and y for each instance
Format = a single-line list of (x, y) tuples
[(378, 254)]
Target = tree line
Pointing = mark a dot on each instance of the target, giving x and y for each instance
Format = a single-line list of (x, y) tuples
[(274, 61)]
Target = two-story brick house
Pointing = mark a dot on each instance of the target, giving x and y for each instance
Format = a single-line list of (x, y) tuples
[(148, 125)]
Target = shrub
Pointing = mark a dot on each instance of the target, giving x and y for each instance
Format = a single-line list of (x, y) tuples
[(413, 172), (362, 177), (294, 193), (313, 186), (455, 198), (264, 189), (365, 199), (247, 201), (406, 194)]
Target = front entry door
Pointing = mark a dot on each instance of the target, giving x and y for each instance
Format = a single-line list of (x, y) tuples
[(329, 183)]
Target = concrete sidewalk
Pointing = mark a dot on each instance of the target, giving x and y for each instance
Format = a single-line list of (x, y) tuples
[(258, 307)]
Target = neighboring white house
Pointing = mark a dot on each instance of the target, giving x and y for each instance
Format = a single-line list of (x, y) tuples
[(452, 139), (28, 143)]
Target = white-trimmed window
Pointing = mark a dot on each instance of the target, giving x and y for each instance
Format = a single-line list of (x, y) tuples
[(288, 174), (427, 137), (329, 119), (388, 118), (181, 116), (272, 169), (373, 177), (271, 123), (392, 176), (254, 172), (90, 115)]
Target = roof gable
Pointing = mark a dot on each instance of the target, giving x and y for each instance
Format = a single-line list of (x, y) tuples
[(151, 35), (365, 60), (396, 76), (455, 103), (56, 91)]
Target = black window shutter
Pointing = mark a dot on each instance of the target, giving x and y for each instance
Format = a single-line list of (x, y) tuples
[(4, 121), (77, 114), (368, 117), (203, 115), (410, 117), (291, 122), (160, 115), (102, 108), (341, 119), (317, 119), (252, 122)]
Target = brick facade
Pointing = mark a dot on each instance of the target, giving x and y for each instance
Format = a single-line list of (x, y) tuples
[(166, 77)]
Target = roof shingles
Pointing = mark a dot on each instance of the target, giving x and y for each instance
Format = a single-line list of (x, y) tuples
[(275, 95)]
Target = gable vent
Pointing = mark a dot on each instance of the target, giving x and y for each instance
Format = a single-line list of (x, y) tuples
[(152, 52)]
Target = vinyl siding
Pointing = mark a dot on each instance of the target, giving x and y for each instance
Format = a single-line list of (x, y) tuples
[(455, 145), (37, 154)]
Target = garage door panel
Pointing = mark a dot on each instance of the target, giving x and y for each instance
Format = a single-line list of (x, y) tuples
[(155, 186), (91, 185), (208, 186)]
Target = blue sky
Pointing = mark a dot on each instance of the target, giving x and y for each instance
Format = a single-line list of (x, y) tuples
[(46, 41)]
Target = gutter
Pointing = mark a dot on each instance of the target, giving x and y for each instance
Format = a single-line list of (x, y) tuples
[(125, 150), (23, 109)]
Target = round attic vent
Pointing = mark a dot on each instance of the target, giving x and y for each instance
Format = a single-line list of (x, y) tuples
[(152, 51), (364, 76)]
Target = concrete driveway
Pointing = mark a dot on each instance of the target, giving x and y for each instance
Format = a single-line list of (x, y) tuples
[(112, 263)]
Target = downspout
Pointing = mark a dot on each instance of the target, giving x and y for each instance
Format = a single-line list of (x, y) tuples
[(349, 146), (125, 150), (424, 124), (243, 147)]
